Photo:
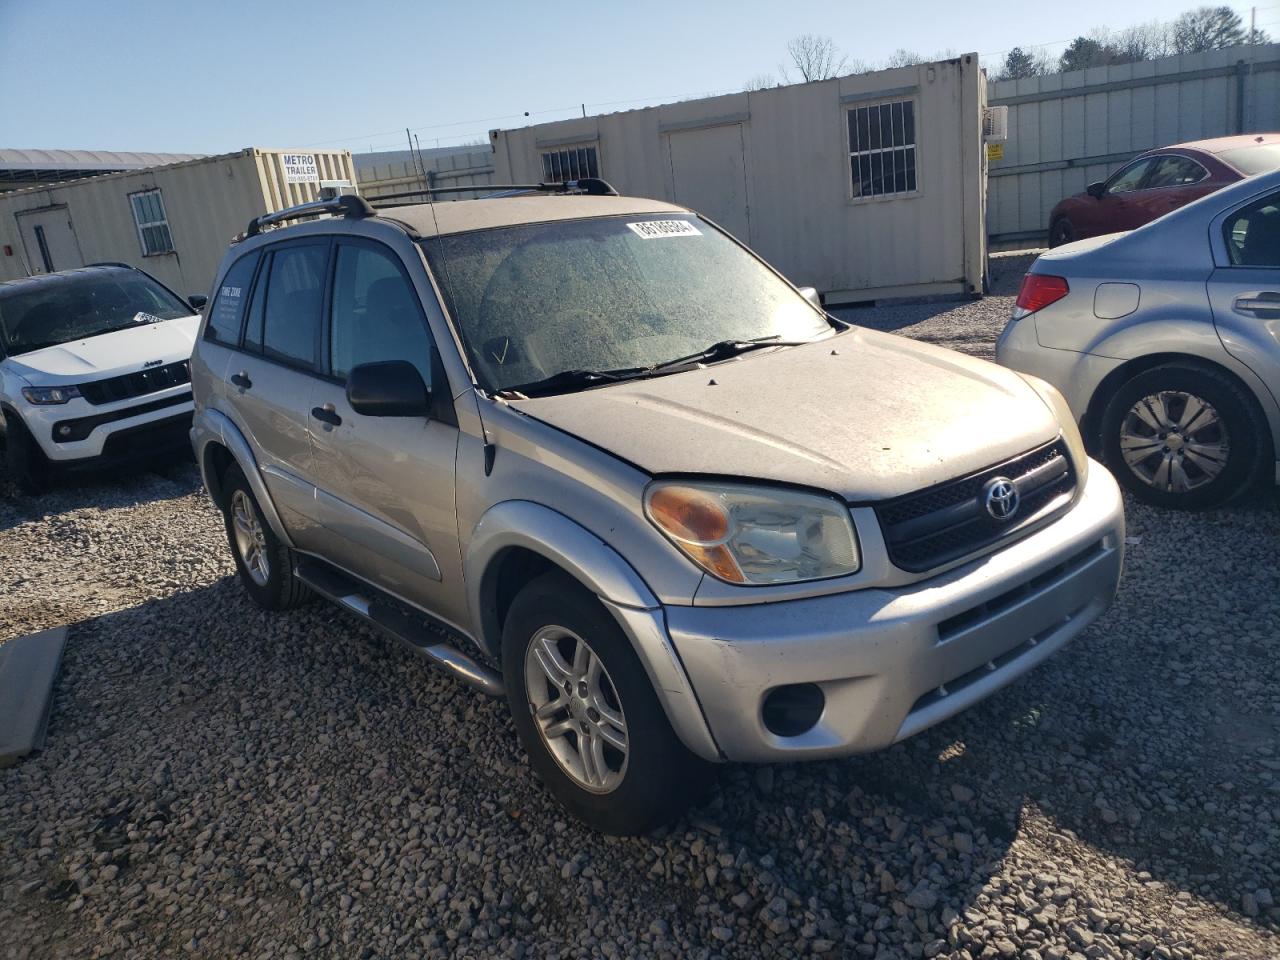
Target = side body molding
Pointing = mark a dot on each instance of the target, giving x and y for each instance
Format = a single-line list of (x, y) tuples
[(212, 425), (521, 524)]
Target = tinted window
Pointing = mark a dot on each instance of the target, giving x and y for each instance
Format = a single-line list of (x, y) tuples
[(257, 307), (229, 300), (1175, 172), (1251, 160), (295, 298), (375, 313), (1129, 178), (1253, 234)]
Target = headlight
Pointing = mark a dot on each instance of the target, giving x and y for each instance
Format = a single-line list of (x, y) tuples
[(755, 535), (48, 396), (1056, 402)]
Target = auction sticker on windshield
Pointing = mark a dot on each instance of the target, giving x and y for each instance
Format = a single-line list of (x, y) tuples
[(658, 229)]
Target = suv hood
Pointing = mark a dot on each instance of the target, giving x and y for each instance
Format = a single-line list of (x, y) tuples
[(108, 354), (864, 415)]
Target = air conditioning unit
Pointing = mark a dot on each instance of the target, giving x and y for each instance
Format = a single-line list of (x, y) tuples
[(995, 124)]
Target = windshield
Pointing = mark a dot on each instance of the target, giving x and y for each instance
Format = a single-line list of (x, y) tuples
[(73, 307), (1253, 160), (607, 294)]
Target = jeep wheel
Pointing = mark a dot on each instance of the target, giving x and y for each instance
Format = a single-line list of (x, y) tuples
[(1181, 436), (23, 459), (264, 563), (586, 714)]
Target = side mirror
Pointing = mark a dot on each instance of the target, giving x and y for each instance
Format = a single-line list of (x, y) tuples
[(197, 301), (1095, 189), (389, 388), (810, 294)]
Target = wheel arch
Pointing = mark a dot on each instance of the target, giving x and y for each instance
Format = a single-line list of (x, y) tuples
[(218, 443)]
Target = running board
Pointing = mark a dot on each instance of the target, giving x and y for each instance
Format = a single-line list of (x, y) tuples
[(365, 602)]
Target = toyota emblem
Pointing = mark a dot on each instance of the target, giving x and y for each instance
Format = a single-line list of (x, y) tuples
[(1000, 497)]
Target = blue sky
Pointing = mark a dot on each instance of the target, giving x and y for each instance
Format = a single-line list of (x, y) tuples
[(212, 77)]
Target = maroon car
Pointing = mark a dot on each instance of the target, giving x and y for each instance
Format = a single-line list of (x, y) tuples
[(1158, 181)]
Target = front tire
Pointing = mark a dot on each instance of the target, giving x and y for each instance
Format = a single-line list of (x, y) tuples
[(264, 563), (25, 462), (1182, 436), (587, 715)]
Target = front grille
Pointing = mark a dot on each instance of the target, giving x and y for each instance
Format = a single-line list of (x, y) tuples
[(946, 522), (130, 385)]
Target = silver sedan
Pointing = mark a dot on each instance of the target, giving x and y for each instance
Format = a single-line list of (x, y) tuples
[(1166, 343)]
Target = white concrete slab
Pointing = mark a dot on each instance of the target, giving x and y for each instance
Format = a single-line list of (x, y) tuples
[(28, 666)]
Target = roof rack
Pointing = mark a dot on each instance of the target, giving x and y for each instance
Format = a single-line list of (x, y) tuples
[(589, 186), (349, 205)]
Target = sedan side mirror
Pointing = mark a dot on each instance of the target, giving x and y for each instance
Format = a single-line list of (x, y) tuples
[(197, 301), (1095, 189), (389, 388), (810, 294)]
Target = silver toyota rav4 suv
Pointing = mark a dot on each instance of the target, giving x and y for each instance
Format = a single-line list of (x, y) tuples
[(590, 452)]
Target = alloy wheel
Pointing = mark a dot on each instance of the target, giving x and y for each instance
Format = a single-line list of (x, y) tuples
[(251, 541), (576, 709), (1174, 441)]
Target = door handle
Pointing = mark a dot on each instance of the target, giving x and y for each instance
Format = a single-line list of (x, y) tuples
[(327, 414), (241, 380), (1266, 301)]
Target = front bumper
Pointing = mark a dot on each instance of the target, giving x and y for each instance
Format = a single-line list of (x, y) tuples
[(891, 663), (98, 434)]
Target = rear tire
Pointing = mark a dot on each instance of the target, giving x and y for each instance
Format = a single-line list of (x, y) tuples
[(264, 563), (620, 769), (26, 463), (1183, 437), (1061, 231)]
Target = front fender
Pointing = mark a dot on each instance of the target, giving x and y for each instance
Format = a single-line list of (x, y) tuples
[(212, 426), (521, 524)]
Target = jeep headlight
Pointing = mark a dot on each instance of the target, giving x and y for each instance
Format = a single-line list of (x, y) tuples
[(755, 535), (1057, 403), (50, 396)]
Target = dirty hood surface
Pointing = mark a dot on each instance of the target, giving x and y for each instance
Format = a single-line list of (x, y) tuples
[(880, 417), (109, 354)]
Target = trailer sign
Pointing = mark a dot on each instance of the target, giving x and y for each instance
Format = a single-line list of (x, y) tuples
[(300, 168)]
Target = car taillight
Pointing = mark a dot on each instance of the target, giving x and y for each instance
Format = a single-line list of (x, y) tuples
[(1038, 291)]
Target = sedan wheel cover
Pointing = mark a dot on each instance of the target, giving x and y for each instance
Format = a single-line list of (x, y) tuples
[(251, 541), (1174, 441), (576, 709)]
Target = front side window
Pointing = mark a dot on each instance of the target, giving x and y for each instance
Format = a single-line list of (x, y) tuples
[(294, 302), (228, 302), (375, 313), (1253, 234), (152, 224), (1175, 172), (531, 302), (80, 305), (575, 163), (1130, 178), (882, 148)]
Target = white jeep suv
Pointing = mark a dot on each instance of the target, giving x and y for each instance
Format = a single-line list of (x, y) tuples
[(94, 370)]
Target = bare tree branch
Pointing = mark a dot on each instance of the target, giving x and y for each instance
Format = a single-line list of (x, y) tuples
[(815, 58)]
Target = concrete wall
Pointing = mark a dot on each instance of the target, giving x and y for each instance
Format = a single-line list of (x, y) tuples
[(1070, 129), (773, 167), (207, 202)]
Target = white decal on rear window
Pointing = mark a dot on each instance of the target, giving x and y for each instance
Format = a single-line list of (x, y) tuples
[(657, 229)]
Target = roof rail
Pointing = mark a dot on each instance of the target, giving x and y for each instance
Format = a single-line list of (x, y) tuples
[(590, 186), (349, 205)]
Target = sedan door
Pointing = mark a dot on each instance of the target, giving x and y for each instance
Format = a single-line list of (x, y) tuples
[(1245, 293), (1119, 207), (386, 484)]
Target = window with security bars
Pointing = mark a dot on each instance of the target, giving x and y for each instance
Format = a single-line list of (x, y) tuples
[(882, 148), (153, 226), (572, 164)]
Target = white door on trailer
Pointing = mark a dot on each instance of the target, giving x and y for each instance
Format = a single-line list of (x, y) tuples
[(49, 240), (709, 173)]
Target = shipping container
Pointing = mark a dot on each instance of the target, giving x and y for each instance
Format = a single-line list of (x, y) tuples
[(173, 221), (866, 187)]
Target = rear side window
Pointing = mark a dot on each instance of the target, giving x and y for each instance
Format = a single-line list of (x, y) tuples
[(229, 300), (1175, 172), (294, 302), (1253, 234)]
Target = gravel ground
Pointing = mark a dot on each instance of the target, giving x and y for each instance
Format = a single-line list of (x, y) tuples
[(222, 782)]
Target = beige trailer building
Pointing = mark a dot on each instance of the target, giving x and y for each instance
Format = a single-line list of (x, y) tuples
[(865, 186), (173, 221)]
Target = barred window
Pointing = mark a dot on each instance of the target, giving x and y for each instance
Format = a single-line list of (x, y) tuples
[(153, 227), (882, 148), (574, 163)]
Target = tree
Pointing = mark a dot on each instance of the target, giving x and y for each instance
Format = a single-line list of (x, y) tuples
[(1093, 51), (816, 58), (761, 81), (1143, 41), (1019, 63), (1207, 28), (903, 58)]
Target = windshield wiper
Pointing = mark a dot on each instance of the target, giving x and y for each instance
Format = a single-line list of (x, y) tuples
[(724, 349), (567, 380)]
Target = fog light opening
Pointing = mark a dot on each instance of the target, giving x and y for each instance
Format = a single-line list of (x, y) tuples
[(794, 709)]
